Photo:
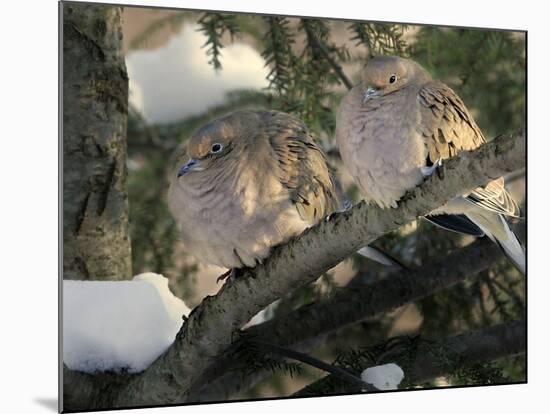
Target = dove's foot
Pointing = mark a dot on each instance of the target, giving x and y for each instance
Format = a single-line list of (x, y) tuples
[(427, 171), (330, 216), (230, 273)]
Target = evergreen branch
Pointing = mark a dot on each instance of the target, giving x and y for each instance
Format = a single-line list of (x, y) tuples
[(319, 44), (315, 75), (214, 26), (434, 358), (380, 38), (277, 52), (349, 305), (212, 325), (335, 370)]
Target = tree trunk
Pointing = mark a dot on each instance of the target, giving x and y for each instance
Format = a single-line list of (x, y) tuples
[(96, 238)]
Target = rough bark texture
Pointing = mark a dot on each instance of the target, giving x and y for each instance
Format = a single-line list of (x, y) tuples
[(347, 306), (434, 358), (214, 325), (96, 243)]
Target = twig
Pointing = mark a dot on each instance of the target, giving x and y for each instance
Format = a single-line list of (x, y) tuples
[(510, 292), (434, 358), (335, 66), (314, 362), (212, 325), (499, 304), (352, 304), (514, 176)]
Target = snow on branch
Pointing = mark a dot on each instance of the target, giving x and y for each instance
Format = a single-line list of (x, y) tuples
[(120, 326), (214, 325), (349, 305), (436, 358), (385, 377)]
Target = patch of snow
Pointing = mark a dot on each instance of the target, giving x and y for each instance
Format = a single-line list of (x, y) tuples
[(119, 326), (264, 315), (384, 377), (175, 81)]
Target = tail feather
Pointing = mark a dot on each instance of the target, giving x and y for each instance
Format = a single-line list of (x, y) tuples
[(496, 227), (369, 252), (374, 253), (512, 248)]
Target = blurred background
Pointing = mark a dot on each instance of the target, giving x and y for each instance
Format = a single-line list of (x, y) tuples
[(187, 68)]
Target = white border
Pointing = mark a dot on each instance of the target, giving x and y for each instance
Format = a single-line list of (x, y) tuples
[(28, 171)]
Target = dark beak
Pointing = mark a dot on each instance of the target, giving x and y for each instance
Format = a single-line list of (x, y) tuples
[(191, 165), (369, 93)]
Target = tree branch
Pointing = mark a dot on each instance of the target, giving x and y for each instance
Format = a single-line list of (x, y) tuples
[(349, 305), (212, 326), (435, 358), (326, 55), (334, 370)]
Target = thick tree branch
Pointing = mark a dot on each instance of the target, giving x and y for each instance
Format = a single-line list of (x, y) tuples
[(435, 358), (212, 326), (349, 305)]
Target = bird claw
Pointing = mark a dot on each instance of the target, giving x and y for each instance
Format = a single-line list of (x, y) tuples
[(427, 171), (230, 273), (329, 217), (224, 275)]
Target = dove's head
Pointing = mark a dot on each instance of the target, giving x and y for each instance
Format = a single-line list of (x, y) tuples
[(387, 74), (214, 144)]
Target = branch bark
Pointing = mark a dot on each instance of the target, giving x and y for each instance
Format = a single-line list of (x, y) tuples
[(212, 326), (96, 242), (435, 358), (352, 304)]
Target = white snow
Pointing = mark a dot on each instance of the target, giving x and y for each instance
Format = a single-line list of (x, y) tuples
[(264, 315), (384, 377), (190, 85), (119, 325)]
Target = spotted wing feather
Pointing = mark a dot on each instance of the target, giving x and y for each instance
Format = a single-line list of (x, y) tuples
[(448, 128), (302, 167)]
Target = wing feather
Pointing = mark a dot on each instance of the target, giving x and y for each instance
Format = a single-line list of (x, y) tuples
[(302, 167), (494, 197), (448, 128)]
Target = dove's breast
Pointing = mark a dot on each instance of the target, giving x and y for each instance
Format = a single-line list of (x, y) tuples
[(380, 145), (235, 223)]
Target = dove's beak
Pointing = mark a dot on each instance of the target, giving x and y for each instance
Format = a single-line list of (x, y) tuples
[(191, 165), (369, 93)]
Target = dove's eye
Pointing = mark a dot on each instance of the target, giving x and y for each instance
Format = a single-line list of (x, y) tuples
[(215, 148), (393, 78)]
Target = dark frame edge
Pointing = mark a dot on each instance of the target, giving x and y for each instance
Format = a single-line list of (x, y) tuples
[(60, 210)]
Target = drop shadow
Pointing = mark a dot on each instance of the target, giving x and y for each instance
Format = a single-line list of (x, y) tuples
[(49, 403)]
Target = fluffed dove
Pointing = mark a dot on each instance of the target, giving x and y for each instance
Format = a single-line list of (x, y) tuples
[(249, 181), (396, 126)]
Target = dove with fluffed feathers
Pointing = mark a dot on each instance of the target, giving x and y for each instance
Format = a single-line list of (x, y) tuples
[(247, 182), (396, 126)]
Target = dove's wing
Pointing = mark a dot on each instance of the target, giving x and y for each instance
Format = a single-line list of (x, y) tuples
[(302, 167), (456, 222), (446, 124), (448, 128), (494, 197)]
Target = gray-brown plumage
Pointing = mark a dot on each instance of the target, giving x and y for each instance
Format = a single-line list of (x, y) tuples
[(397, 125), (249, 181)]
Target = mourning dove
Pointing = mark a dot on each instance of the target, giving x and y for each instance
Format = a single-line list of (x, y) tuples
[(249, 181), (396, 126)]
